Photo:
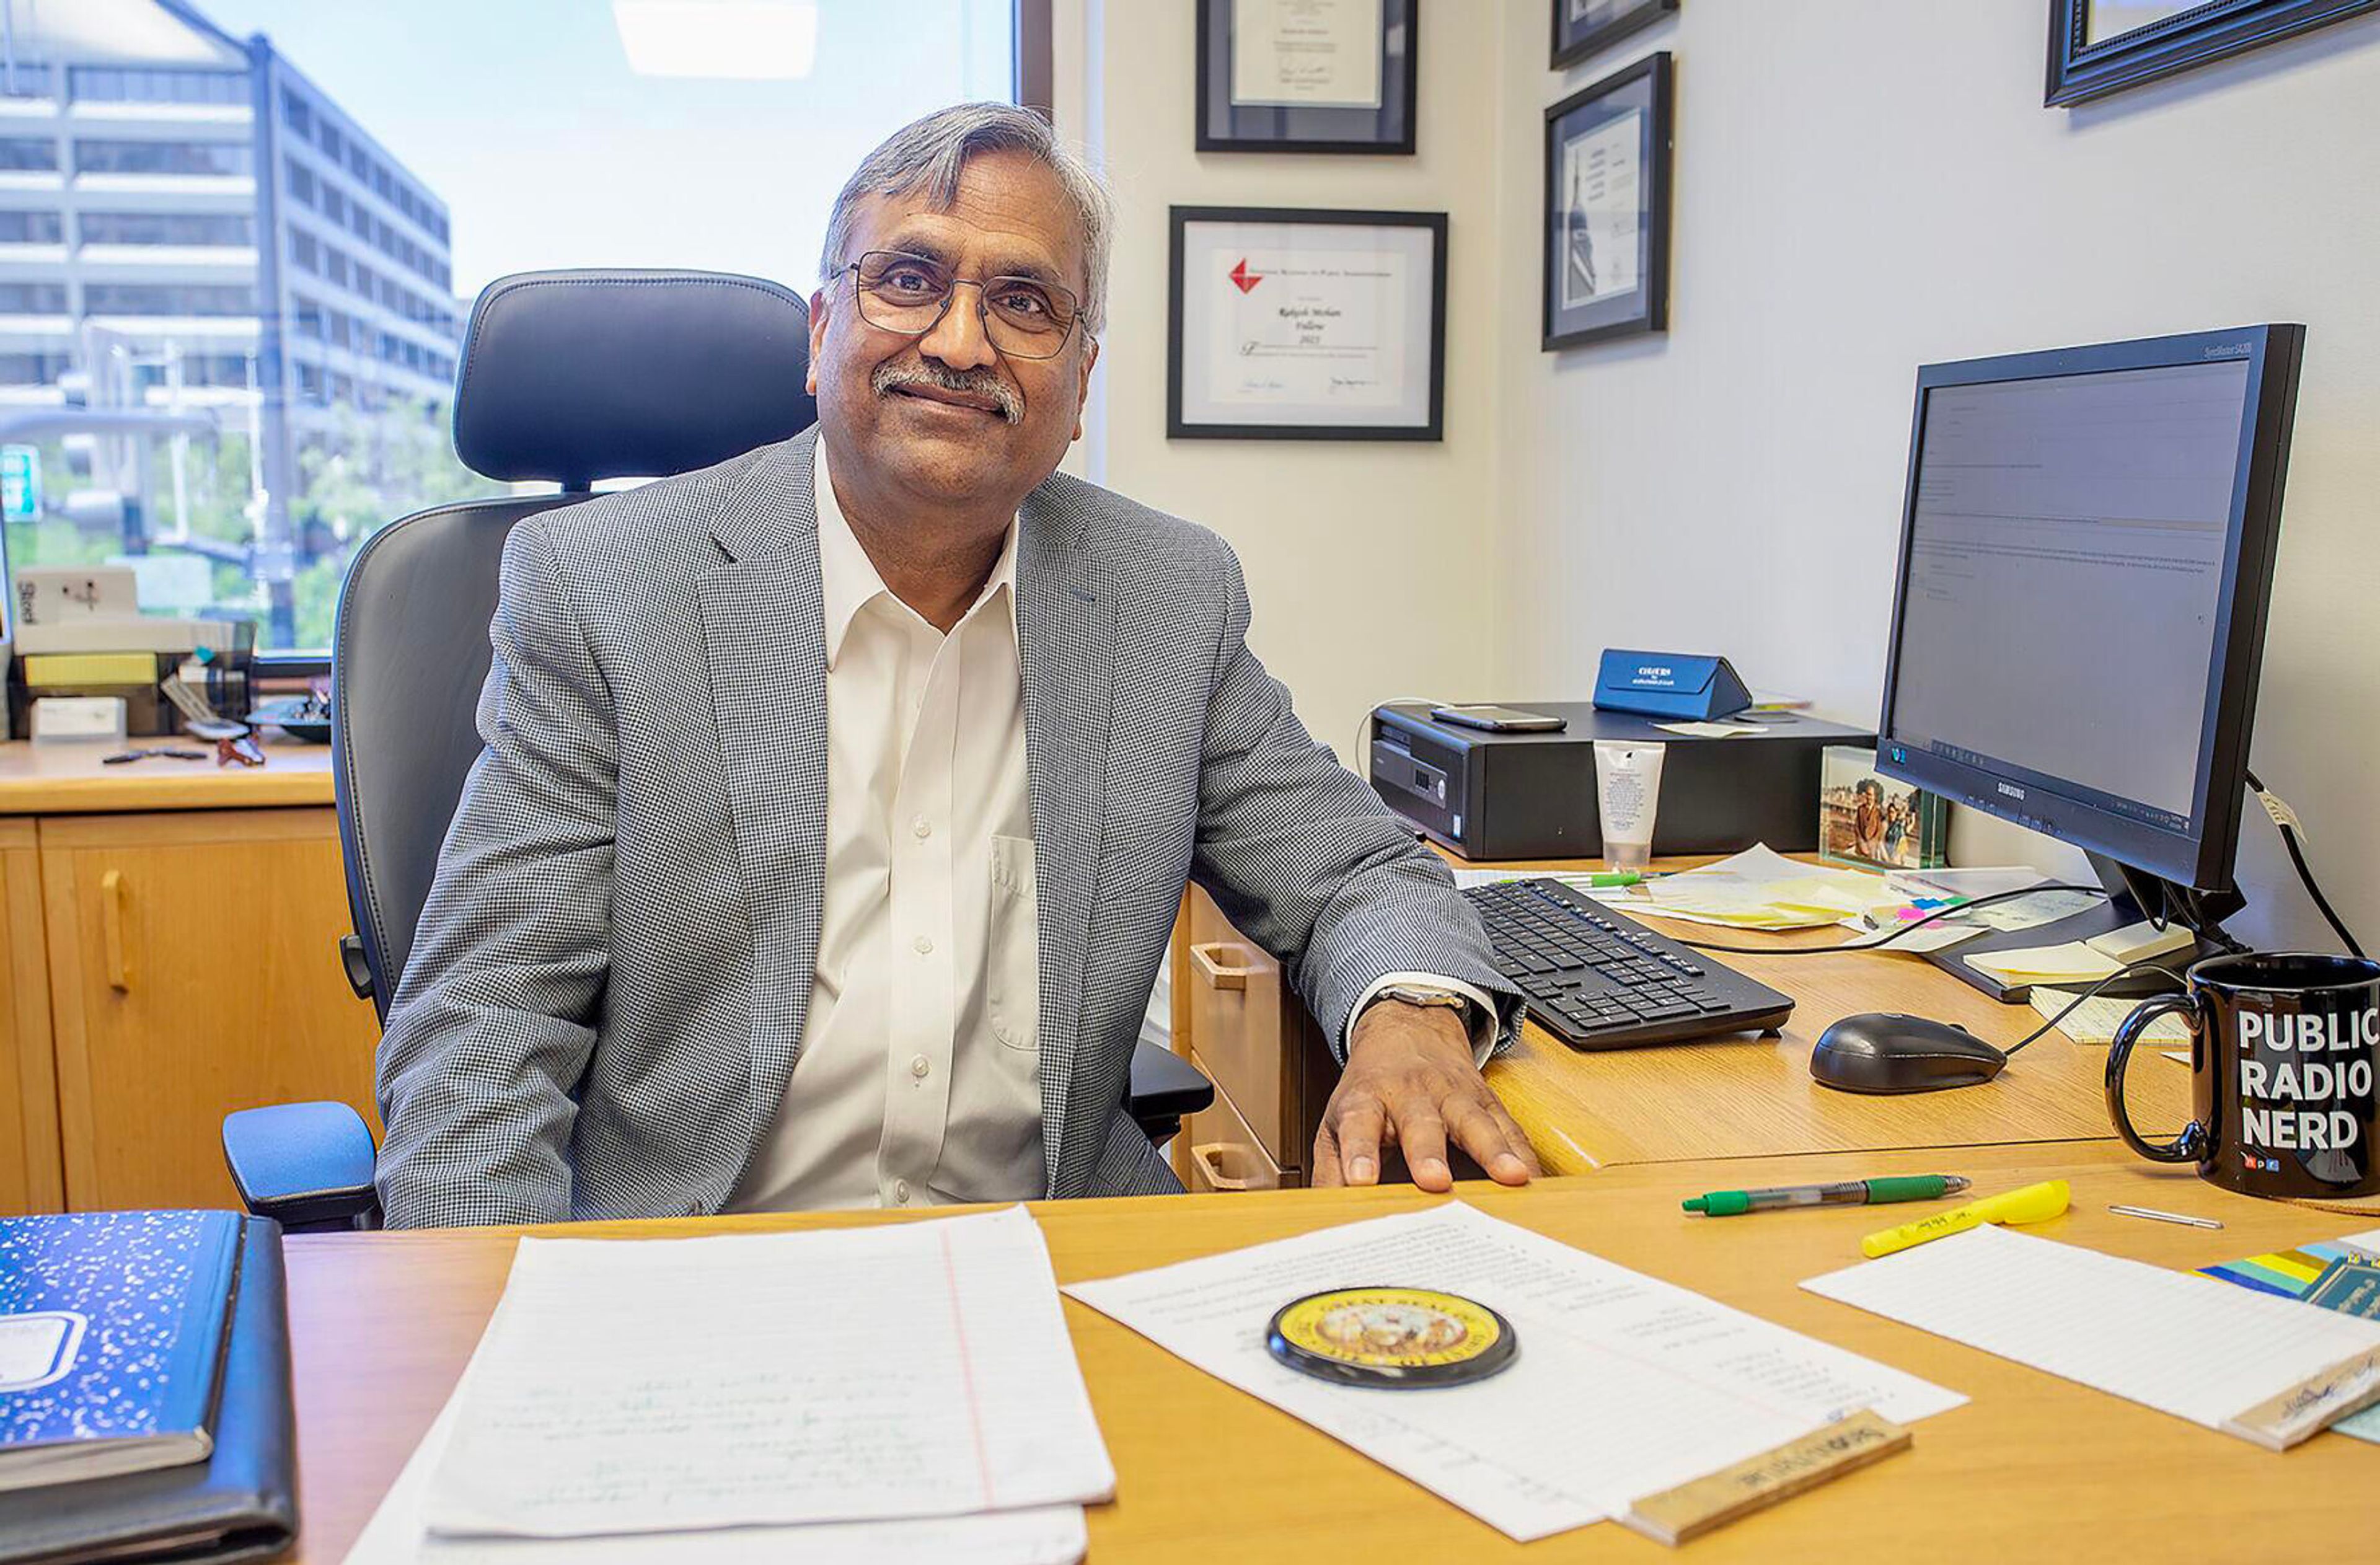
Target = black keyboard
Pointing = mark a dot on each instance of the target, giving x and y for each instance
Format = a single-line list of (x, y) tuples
[(1596, 979)]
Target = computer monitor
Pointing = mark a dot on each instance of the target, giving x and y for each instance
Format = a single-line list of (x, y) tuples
[(2086, 558)]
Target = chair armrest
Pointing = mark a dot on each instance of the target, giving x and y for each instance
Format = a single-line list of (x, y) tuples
[(1164, 1087), (301, 1164)]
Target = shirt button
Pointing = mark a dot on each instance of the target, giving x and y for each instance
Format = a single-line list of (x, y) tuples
[(923, 828), (901, 1191), (922, 946), (920, 1068)]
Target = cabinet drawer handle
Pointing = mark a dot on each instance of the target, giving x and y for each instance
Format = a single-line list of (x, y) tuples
[(1218, 975), (112, 899), (1210, 1158)]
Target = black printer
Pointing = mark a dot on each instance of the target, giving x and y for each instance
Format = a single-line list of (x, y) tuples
[(1532, 796)]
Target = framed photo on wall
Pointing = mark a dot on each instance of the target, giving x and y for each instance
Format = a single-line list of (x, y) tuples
[(1607, 214), (1294, 323), (1586, 27), (2102, 46), (1307, 75)]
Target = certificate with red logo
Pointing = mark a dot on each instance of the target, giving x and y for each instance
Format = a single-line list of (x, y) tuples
[(1306, 325)]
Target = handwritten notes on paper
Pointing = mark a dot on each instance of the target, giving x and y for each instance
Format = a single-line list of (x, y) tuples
[(915, 1370), (1648, 1384)]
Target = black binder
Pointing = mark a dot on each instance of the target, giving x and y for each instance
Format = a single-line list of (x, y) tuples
[(240, 1504)]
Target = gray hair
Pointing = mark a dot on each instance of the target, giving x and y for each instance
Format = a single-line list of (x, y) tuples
[(930, 155)]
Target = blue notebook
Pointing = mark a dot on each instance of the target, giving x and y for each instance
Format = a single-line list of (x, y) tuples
[(111, 1341)]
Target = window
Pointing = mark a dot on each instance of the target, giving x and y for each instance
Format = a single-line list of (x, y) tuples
[(33, 369), (31, 229), (185, 228), (168, 299), (32, 298), (111, 84), (22, 81), (94, 157), (402, 157), (31, 154)]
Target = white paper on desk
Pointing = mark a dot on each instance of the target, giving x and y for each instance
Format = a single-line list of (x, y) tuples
[(1625, 1385), (919, 1369), (2190, 1346), (394, 1536), (1701, 730), (2097, 1019)]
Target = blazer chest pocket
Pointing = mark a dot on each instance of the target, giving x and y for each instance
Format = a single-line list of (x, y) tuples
[(1012, 946)]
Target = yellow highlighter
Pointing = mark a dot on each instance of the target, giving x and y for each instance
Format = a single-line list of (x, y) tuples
[(2035, 1203)]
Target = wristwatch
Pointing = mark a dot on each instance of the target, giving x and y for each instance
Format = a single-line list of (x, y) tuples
[(1415, 994)]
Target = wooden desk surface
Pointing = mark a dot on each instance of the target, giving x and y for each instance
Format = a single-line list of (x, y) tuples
[(71, 779), (2033, 1468), (1746, 1095)]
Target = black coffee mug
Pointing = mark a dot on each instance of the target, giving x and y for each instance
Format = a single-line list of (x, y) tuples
[(2283, 1051)]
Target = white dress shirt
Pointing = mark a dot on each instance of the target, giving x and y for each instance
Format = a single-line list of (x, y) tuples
[(918, 1081)]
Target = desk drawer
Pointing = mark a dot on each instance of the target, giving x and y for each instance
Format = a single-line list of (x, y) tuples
[(1224, 1154), (1244, 1026)]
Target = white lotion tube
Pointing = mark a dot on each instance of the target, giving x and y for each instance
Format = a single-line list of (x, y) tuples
[(1627, 792)]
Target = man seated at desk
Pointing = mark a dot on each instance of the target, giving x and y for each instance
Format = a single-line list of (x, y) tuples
[(837, 800)]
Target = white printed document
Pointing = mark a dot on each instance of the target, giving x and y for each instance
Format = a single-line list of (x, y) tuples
[(1624, 1385), (871, 1374), (2192, 1346)]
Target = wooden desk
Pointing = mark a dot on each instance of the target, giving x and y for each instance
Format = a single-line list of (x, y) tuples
[(1734, 1096), (171, 932), (2033, 1468)]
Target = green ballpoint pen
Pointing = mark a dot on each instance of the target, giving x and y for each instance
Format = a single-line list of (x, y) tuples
[(1850, 1193)]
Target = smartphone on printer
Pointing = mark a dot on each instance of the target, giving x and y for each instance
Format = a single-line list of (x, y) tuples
[(1500, 719)]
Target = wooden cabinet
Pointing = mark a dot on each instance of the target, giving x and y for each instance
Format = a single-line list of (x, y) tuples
[(193, 970), (1237, 1019), (31, 1178)]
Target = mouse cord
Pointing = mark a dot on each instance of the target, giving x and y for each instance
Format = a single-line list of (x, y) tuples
[(1890, 936), (2285, 820), (2126, 971)]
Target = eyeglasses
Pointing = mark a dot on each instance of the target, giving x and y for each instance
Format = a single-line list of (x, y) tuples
[(1024, 317)]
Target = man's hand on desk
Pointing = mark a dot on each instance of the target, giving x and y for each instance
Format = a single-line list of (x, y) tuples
[(1410, 1082)]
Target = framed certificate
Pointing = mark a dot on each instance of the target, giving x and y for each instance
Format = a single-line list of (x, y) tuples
[(2102, 46), (1296, 324), (1307, 75), (1588, 27), (1607, 246)]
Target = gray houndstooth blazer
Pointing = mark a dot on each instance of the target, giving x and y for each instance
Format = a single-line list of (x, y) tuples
[(606, 992)]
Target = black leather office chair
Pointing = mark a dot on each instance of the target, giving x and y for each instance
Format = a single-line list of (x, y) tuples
[(567, 377)]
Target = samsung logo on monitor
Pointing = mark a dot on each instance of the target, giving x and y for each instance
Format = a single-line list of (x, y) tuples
[(2231, 350), (2011, 791)]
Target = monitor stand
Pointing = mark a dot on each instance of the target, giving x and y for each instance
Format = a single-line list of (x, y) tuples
[(2130, 891)]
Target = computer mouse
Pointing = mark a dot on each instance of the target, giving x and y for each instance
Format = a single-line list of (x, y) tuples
[(1882, 1051)]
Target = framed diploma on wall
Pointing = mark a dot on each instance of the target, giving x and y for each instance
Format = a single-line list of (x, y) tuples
[(1307, 75), (2102, 46), (1607, 246), (1588, 27), (1289, 323)]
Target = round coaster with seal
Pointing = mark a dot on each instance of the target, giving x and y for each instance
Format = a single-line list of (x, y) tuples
[(1408, 1338)]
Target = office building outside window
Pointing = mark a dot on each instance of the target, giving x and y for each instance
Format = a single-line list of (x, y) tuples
[(237, 220)]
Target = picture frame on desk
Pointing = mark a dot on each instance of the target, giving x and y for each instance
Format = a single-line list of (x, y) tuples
[(1308, 76), (1608, 151), (2097, 47), (1586, 28), (1305, 323)]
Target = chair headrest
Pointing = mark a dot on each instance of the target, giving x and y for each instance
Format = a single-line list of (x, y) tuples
[(569, 377)]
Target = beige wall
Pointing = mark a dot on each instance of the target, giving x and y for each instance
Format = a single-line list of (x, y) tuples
[(1863, 186), (1335, 537)]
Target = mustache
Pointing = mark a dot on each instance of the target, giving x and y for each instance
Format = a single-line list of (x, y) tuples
[(966, 383)]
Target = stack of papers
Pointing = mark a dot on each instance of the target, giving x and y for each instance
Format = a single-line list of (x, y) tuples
[(1648, 1385), (1761, 888), (2263, 1368), (882, 1394), (2097, 1019)]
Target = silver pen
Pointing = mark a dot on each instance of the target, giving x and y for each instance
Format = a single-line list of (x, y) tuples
[(2155, 1216)]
